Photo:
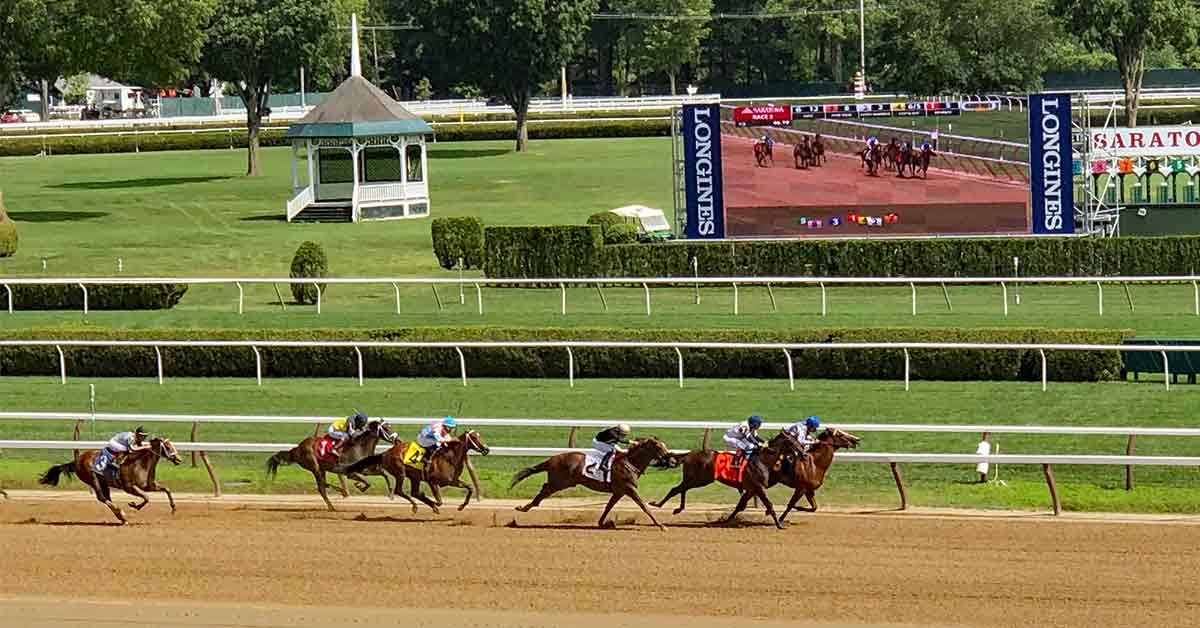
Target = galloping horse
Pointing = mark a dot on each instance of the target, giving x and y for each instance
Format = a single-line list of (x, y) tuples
[(136, 474), (700, 469), (566, 470), (802, 154), (908, 159), (360, 446), (818, 149), (806, 474), (872, 157), (443, 469), (922, 161), (892, 152), (763, 154)]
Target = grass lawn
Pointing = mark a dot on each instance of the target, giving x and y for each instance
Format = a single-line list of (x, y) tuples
[(1086, 488), (193, 213)]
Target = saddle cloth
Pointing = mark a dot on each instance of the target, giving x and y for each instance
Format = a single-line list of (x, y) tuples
[(724, 471), (325, 447), (414, 456), (101, 461), (591, 467)]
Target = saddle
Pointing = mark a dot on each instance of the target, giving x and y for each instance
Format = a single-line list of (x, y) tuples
[(325, 448)]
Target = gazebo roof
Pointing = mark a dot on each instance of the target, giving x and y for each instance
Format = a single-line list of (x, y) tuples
[(356, 109)]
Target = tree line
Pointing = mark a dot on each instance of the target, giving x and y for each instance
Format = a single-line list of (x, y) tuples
[(513, 50)]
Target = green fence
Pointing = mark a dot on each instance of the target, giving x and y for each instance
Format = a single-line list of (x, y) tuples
[(179, 107)]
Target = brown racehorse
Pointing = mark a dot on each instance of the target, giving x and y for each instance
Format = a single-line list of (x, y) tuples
[(806, 474), (872, 157), (699, 469), (893, 155), (136, 475), (360, 446), (818, 149), (922, 161), (566, 470), (763, 154), (445, 469), (802, 154)]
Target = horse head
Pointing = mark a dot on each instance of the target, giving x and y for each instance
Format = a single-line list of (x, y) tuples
[(650, 444), (381, 429), (163, 447), (784, 443), (838, 439), (473, 441)]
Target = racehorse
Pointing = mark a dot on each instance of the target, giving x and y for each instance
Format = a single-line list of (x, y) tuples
[(136, 474), (443, 469), (763, 154), (566, 470), (907, 159), (700, 469), (893, 154), (360, 446), (818, 149), (872, 157), (802, 154), (922, 161), (806, 474)]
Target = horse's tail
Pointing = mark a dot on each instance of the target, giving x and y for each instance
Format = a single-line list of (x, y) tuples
[(280, 457), (365, 463), (528, 471), (50, 477)]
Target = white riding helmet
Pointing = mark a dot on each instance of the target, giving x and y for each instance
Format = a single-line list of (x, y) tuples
[(624, 428)]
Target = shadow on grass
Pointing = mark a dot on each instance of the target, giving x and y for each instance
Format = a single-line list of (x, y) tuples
[(275, 217), (55, 216), (146, 182), (466, 153)]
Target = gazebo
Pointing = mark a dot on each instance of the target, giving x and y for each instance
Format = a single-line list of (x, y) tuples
[(364, 155)]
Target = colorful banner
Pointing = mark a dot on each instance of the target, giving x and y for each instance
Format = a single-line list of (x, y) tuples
[(763, 115), (1050, 179), (877, 110), (702, 172), (1152, 141)]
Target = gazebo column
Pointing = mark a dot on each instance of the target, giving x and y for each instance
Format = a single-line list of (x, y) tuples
[(354, 150), (295, 174), (312, 179)]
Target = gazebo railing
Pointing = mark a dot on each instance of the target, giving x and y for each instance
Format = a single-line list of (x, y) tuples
[(297, 203), (392, 191)]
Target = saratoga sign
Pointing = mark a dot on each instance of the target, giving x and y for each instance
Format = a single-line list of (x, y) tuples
[(1151, 141), (768, 115)]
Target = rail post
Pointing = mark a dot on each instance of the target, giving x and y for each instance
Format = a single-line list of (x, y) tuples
[(10, 298), (571, 367), (212, 474), (907, 370), (735, 299), (1128, 295), (479, 298), (679, 354), (396, 287), (158, 359), (899, 486), (62, 364), (1166, 370), (704, 439), (257, 365), (562, 289), (437, 297), (946, 293), (824, 301), (318, 287), (791, 370), (85, 299), (1195, 298), (771, 293), (462, 365), (603, 301), (1129, 449), (1100, 298), (1004, 296), (1043, 354), (279, 294), (696, 274), (914, 298), (474, 479), (1053, 489), (571, 437), (75, 436), (241, 298), (358, 354), (195, 433), (462, 297), (646, 287)]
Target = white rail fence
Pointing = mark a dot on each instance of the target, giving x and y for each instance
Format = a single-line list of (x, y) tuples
[(570, 345), (734, 283)]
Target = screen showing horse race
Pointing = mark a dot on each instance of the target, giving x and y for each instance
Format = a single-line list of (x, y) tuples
[(855, 170)]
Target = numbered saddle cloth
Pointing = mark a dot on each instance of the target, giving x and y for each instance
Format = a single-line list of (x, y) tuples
[(325, 447), (592, 467), (414, 456)]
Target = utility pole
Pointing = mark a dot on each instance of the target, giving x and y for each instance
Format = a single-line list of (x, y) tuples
[(862, 51)]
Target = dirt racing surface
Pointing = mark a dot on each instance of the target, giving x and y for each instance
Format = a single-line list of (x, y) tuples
[(284, 562), (772, 201)]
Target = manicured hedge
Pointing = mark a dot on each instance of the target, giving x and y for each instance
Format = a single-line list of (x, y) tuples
[(100, 297), (8, 232), (274, 137), (552, 362), (535, 252), (870, 258), (458, 238)]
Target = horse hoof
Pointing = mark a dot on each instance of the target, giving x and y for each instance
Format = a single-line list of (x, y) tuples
[(608, 525), (676, 511)]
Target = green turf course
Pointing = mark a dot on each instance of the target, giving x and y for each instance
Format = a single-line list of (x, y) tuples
[(1085, 488)]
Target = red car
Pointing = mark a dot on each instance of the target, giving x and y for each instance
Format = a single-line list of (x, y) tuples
[(11, 117)]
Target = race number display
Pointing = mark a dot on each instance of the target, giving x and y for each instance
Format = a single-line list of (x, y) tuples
[(877, 110), (763, 115)]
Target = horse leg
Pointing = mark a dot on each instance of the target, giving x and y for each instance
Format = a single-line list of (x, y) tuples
[(319, 476), (387, 481), (437, 493), (136, 492), (547, 490), (741, 505), (342, 485), (105, 497), (415, 487), (399, 490), (676, 490), (811, 502), (612, 501), (762, 496), (791, 504), (162, 489), (637, 499), (360, 482), (467, 487)]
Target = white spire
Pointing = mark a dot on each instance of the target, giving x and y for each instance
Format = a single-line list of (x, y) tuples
[(355, 63)]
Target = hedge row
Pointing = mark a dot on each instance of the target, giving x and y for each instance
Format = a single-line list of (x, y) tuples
[(552, 362), (100, 297), (458, 238), (274, 137), (8, 232), (534, 256)]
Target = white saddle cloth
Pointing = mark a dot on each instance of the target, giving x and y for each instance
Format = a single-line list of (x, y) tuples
[(591, 467)]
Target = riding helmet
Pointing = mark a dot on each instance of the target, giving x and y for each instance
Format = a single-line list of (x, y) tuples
[(140, 431), (754, 421), (449, 422), (812, 422), (624, 428)]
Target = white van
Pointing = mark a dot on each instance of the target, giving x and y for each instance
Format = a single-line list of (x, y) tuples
[(651, 223)]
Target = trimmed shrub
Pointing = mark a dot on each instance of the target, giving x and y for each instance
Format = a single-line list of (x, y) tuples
[(601, 362), (620, 234), (309, 261), (458, 238), (536, 252), (8, 232), (100, 297)]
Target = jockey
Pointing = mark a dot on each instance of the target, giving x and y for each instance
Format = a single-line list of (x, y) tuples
[(342, 430), (435, 435), (766, 139), (803, 431), (872, 142), (926, 145), (606, 443), (744, 437), (120, 445)]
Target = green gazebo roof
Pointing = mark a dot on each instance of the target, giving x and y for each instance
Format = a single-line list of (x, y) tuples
[(357, 109)]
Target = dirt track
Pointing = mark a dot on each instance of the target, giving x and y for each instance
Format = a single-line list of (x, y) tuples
[(254, 564)]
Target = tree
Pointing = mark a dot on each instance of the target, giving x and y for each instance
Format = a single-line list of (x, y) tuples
[(507, 47), (664, 46), (152, 43), (1129, 29), (75, 91), (252, 43)]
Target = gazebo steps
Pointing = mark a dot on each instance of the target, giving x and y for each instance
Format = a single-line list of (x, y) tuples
[(314, 213)]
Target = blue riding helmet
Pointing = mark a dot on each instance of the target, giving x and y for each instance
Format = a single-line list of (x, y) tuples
[(812, 422), (449, 422), (755, 421)]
